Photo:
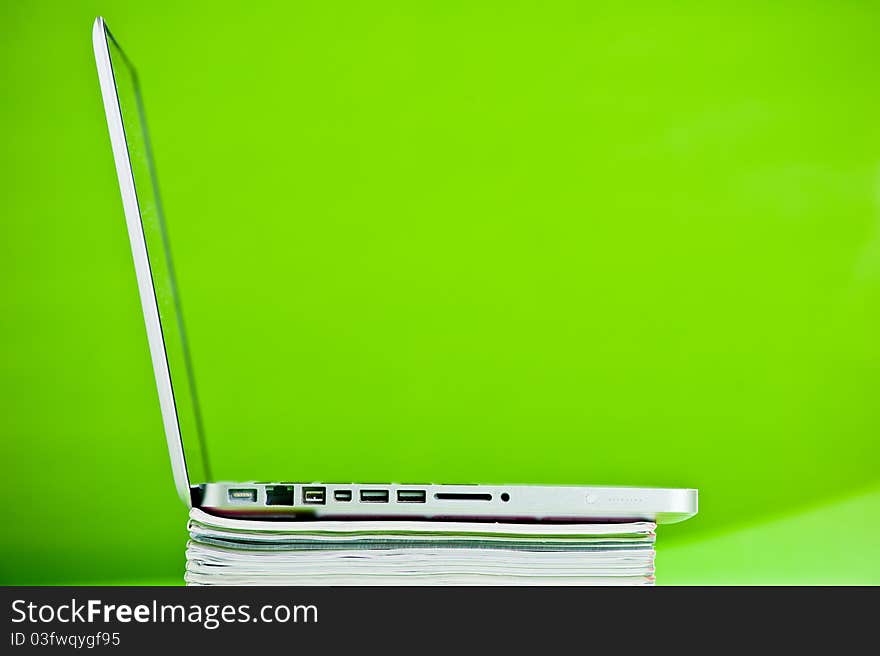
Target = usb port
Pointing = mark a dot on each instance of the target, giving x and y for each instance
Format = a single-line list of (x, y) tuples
[(411, 496), (314, 495), (374, 496), (248, 495), (342, 495)]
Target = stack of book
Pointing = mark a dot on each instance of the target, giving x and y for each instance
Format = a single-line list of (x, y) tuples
[(224, 551)]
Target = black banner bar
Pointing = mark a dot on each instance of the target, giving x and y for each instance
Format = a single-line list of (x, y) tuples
[(326, 620)]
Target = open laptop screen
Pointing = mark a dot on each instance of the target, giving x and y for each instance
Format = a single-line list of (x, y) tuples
[(172, 336)]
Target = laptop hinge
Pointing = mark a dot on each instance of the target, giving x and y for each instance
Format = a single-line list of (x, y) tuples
[(196, 494)]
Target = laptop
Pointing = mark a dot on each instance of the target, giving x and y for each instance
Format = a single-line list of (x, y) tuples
[(292, 500)]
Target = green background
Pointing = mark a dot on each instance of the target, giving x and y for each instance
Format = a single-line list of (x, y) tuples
[(549, 242)]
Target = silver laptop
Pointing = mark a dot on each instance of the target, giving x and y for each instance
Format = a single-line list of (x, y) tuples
[(291, 499)]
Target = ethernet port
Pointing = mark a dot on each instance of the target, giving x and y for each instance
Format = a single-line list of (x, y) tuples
[(279, 495)]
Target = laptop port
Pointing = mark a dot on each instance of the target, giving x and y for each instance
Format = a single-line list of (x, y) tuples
[(314, 495), (411, 496), (374, 496), (242, 495), (342, 495), (462, 496), (279, 495)]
